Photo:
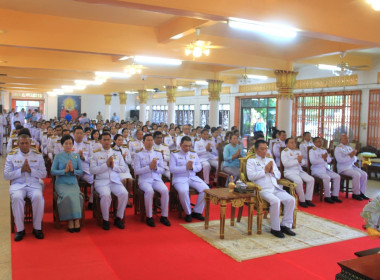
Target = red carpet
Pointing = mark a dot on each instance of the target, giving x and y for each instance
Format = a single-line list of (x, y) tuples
[(140, 252)]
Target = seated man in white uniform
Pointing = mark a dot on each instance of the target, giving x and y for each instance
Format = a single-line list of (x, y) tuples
[(263, 171), (148, 165), (346, 157), (184, 164), (292, 160), (159, 146), (135, 145), (170, 140), (319, 158), (24, 167), (203, 148), (277, 147), (106, 164), (305, 143)]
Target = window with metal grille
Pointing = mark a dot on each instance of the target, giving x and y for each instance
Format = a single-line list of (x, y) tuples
[(327, 115), (224, 115), (184, 114), (160, 114), (373, 131)]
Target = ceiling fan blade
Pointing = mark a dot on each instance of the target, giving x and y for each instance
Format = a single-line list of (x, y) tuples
[(357, 67)]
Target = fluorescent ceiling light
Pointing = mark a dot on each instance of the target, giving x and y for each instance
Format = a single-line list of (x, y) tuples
[(150, 89), (176, 37), (201, 83), (124, 58), (60, 90), (180, 87), (119, 75), (157, 60), (88, 82), (262, 27), (328, 67), (76, 87), (131, 92), (257, 77)]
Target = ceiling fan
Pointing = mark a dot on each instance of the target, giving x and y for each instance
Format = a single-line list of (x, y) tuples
[(198, 47), (342, 68)]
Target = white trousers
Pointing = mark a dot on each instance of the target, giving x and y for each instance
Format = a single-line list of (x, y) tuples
[(148, 190), (89, 178), (326, 177), (18, 206), (299, 179), (275, 199), (206, 166), (183, 193), (234, 171), (167, 174), (104, 191), (359, 179)]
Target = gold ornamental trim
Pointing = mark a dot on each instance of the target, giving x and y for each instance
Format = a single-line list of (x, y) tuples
[(214, 200), (225, 90), (143, 96), (214, 89), (123, 98), (285, 81), (239, 202), (171, 93), (107, 99), (378, 77)]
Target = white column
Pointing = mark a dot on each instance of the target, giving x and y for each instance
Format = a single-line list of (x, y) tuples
[(123, 104), (171, 113), (142, 113), (122, 111), (284, 117), (214, 113), (107, 99)]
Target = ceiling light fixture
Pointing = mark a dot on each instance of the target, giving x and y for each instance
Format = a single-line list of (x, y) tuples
[(133, 69), (176, 37), (263, 27), (336, 70), (375, 4), (201, 83), (124, 57), (257, 77), (157, 60), (116, 75), (198, 48), (131, 92)]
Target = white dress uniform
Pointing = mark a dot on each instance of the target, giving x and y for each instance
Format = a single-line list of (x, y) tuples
[(319, 168), (345, 166), (271, 191), (150, 180), (166, 158), (26, 185), (293, 171), (135, 145), (276, 151), (3, 122), (95, 145), (108, 180), (44, 142), (271, 143), (169, 141), (178, 140), (206, 158), (128, 160), (50, 145), (303, 148), (183, 178), (57, 146), (86, 148)]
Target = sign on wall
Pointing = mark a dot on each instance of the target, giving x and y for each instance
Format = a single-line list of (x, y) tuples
[(69, 103)]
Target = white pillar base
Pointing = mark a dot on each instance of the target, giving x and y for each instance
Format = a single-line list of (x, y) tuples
[(284, 118), (214, 113), (122, 112), (107, 115), (171, 113), (142, 113)]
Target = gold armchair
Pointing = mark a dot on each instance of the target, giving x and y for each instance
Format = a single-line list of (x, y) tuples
[(261, 205)]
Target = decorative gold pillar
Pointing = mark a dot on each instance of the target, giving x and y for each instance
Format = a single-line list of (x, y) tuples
[(171, 93), (123, 102), (214, 89), (107, 100), (143, 99), (285, 82)]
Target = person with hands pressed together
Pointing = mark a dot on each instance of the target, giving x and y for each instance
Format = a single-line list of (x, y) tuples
[(66, 166), (184, 164), (231, 154), (149, 166)]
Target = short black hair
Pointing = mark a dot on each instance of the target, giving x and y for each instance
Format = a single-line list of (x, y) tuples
[(15, 122), (18, 127), (305, 133), (117, 136), (87, 129), (24, 131), (203, 130), (147, 135), (213, 129), (77, 128), (58, 126), (105, 134), (207, 126), (93, 132), (316, 138), (258, 142), (185, 138), (156, 134), (287, 140), (66, 137), (282, 131)]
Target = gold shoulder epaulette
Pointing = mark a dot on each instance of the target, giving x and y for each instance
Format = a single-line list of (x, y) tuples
[(314, 148), (36, 151), (340, 145), (253, 156), (197, 139), (15, 148), (163, 144), (193, 151), (12, 152), (286, 149), (125, 146), (269, 156), (176, 151), (86, 142), (58, 141), (157, 150), (139, 150), (323, 148), (13, 136), (97, 150), (133, 140), (45, 133), (166, 135)]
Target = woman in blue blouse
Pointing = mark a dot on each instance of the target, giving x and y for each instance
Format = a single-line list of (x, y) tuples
[(231, 154), (66, 166)]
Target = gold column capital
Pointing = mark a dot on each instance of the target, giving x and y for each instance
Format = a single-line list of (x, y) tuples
[(214, 89), (143, 96), (285, 82), (171, 93), (107, 99), (123, 98)]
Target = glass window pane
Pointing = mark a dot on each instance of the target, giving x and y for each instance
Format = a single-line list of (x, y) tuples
[(272, 102), (254, 103), (263, 102), (176, 107), (192, 107), (138, 107)]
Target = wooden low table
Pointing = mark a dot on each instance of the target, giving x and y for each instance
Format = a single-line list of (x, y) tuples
[(223, 196), (364, 268)]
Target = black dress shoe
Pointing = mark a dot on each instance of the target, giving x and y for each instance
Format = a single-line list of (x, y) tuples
[(89, 206), (19, 235), (329, 200), (38, 233), (77, 229), (165, 221), (303, 204), (277, 233), (71, 230), (357, 197), (119, 223), (336, 199), (197, 216), (362, 195), (106, 225), (150, 222), (287, 231), (188, 218), (129, 205), (309, 203)]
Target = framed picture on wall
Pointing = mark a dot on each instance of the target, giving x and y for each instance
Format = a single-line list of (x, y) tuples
[(71, 103)]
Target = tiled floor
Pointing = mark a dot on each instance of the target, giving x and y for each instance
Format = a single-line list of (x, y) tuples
[(5, 233)]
